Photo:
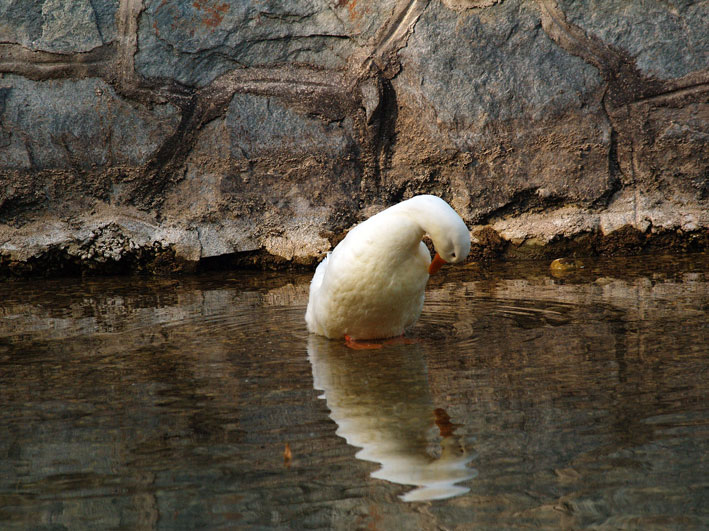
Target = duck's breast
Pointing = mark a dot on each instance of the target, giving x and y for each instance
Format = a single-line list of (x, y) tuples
[(373, 285)]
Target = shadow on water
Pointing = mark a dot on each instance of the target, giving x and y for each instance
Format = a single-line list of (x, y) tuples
[(526, 401)]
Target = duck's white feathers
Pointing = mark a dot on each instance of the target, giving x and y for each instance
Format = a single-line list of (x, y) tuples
[(372, 284)]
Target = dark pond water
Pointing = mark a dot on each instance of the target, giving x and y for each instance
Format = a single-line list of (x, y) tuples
[(525, 400)]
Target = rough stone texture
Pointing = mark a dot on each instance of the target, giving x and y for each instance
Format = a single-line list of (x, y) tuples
[(163, 135), (57, 25), (662, 37), (523, 126), (193, 42), (65, 124)]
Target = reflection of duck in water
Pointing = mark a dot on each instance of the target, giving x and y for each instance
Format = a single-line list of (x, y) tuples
[(382, 404)]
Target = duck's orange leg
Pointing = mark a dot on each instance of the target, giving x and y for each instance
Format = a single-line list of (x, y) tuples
[(361, 345), (364, 345)]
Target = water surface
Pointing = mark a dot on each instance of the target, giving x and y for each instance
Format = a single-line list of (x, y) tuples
[(522, 400)]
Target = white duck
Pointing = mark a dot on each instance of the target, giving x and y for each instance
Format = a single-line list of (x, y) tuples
[(372, 284)]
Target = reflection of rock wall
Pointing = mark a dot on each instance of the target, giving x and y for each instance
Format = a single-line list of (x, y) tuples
[(620, 357), (217, 127), (106, 387), (155, 400)]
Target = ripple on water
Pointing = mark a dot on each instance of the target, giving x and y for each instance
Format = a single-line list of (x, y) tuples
[(524, 401)]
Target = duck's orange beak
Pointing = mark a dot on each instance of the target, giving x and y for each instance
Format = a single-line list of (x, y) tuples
[(436, 264)]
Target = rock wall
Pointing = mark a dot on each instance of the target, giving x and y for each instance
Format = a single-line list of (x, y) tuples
[(163, 134)]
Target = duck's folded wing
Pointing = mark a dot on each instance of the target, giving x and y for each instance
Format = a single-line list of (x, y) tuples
[(316, 282)]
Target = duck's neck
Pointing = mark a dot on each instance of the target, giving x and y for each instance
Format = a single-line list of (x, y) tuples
[(424, 216)]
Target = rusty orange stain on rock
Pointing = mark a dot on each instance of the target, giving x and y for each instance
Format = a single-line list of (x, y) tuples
[(213, 14), (351, 5)]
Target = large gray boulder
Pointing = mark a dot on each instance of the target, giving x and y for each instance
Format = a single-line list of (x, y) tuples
[(164, 134)]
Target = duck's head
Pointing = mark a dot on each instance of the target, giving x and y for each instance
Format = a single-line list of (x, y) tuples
[(452, 245), (444, 226)]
